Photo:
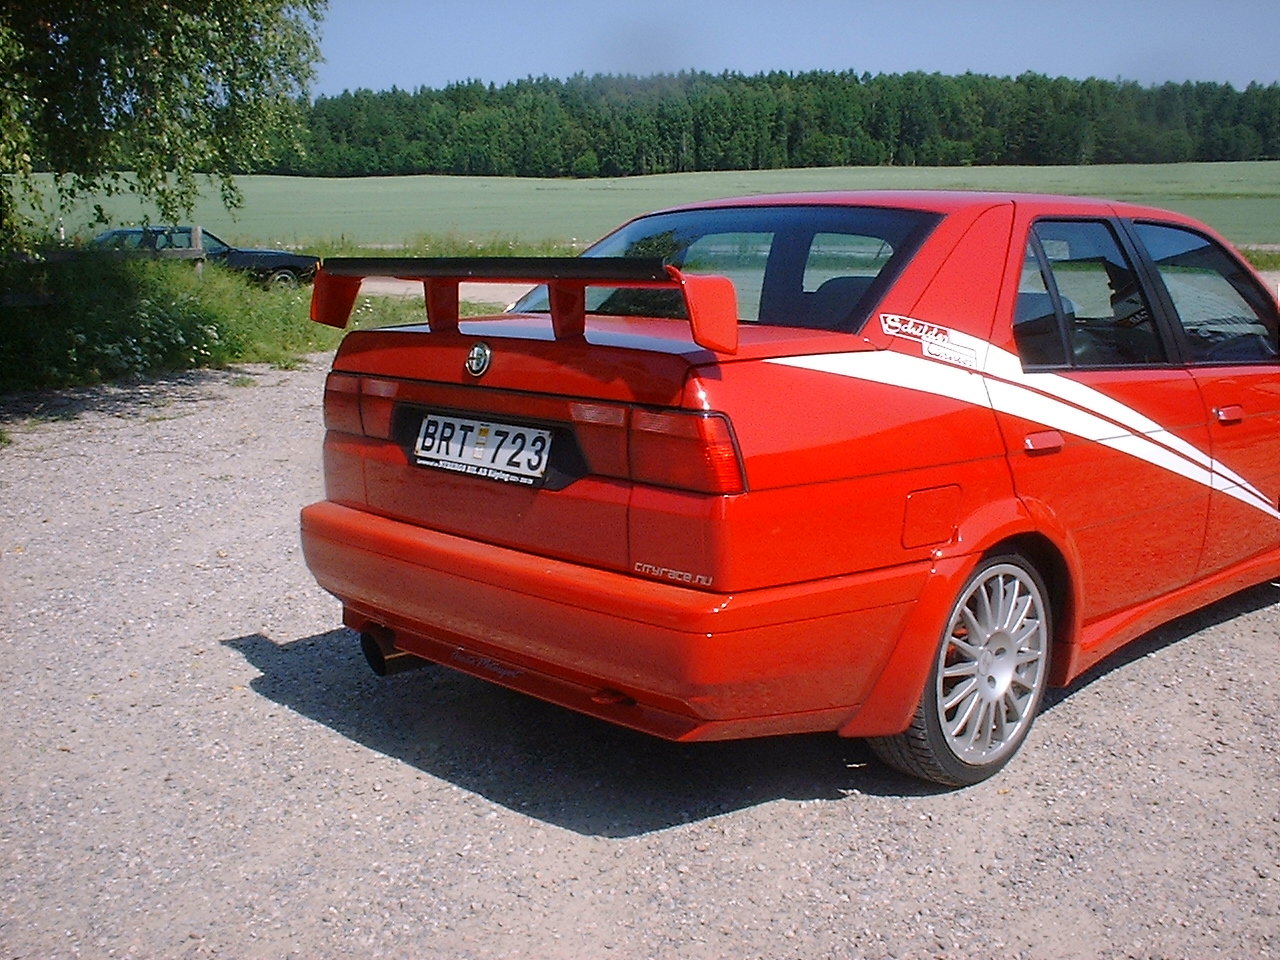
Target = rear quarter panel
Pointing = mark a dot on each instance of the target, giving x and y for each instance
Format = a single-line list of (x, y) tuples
[(851, 466)]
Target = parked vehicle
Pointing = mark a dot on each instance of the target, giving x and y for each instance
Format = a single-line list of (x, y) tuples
[(271, 267), (886, 464)]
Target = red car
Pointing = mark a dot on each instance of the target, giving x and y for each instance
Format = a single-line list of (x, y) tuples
[(886, 464)]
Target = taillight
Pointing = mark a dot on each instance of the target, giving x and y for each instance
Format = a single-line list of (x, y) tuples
[(666, 448), (602, 434), (689, 451), (377, 403), (342, 403), (359, 405)]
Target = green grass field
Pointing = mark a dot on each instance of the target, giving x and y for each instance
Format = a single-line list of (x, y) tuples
[(1241, 200)]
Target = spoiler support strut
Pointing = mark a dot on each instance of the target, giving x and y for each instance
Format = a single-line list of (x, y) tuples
[(710, 301)]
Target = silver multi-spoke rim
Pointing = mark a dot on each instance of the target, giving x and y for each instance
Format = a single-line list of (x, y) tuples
[(991, 666)]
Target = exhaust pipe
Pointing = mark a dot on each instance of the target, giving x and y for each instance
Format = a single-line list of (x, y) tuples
[(378, 644)]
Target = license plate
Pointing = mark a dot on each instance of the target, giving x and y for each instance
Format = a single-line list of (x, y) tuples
[(495, 451)]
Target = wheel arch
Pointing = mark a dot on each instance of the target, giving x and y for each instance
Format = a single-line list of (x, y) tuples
[(988, 674), (1052, 565), (1031, 527), (895, 694)]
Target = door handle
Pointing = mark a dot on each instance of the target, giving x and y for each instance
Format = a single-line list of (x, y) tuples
[(1043, 441), (1231, 413)]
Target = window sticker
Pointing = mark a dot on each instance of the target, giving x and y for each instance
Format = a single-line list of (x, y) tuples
[(937, 343)]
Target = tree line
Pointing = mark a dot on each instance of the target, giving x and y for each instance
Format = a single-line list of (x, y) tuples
[(613, 126)]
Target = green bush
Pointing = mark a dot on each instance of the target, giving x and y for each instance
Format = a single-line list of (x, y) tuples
[(90, 320)]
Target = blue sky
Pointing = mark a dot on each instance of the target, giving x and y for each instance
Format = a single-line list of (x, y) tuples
[(380, 43)]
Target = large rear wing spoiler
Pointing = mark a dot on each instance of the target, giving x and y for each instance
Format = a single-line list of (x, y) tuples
[(710, 302)]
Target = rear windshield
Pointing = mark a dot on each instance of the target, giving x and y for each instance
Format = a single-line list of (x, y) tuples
[(821, 267)]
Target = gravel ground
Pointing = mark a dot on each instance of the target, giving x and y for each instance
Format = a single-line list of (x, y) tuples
[(198, 763)]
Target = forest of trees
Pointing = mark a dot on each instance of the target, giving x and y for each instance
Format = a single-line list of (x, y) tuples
[(625, 126)]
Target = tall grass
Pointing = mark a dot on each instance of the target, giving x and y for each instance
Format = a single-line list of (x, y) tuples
[(92, 320), (450, 244), (1262, 259)]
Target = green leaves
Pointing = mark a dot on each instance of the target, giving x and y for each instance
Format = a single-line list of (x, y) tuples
[(169, 91)]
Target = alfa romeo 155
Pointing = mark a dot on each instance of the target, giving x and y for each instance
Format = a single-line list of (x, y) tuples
[(884, 464)]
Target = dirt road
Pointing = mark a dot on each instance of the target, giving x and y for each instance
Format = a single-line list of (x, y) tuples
[(198, 763)]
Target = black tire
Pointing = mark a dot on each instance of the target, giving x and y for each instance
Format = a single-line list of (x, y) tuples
[(281, 278), (981, 698)]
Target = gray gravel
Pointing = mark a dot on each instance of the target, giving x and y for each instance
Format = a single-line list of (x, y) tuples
[(198, 763)]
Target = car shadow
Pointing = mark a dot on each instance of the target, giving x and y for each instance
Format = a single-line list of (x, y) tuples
[(586, 775), (1246, 601), (124, 398), (547, 762)]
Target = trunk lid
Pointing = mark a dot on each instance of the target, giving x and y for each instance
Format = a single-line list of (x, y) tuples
[(600, 403)]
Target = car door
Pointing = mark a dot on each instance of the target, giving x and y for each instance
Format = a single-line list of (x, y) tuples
[(1229, 331), (1105, 430)]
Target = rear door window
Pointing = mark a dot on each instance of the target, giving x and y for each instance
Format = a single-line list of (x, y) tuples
[(1225, 317), (174, 240), (1077, 271), (1038, 327), (123, 240)]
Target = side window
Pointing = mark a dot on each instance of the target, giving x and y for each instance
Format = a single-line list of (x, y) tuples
[(1037, 327), (124, 240), (1224, 314), (212, 244), (1106, 320)]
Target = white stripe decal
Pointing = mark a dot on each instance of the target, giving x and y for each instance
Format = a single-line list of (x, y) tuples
[(899, 370), (1048, 398), (1007, 367)]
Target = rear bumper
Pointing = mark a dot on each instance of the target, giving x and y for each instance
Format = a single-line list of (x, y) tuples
[(674, 662)]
